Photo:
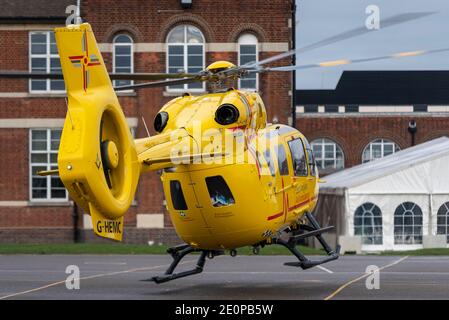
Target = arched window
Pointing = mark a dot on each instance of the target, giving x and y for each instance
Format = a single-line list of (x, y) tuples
[(328, 154), (368, 223), (123, 60), (443, 220), (185, 53), (408, 224), (248, 52), (379, 148)]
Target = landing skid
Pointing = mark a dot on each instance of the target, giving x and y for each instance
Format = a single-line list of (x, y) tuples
[(312, 229), (177, 254)]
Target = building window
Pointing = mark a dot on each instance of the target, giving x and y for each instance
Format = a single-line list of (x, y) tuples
[(443, 220), (378, 149), (123, 60), (298, 157), (185, 52), (248, 53), (331, 108), (351, 108), (44, 58), (408, 224), (328, 154), (368, 223), (420, 108), (43, 156), (311, 108)]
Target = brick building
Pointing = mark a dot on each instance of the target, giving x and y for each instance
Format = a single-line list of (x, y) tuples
[(369, 113), (134, 36)]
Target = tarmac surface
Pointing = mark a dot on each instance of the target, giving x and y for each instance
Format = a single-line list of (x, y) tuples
[(225, 278)]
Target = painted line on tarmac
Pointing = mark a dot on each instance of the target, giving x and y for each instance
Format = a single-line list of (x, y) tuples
[(325, 269), (53, 284), (105, 263), (347, 284)]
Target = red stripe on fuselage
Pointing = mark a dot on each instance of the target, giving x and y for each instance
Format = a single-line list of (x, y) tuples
[(76, 57)]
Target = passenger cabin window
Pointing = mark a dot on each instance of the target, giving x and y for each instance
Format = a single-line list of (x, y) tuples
[(219, 192), (298, 157), (282, 160), (177, 197)]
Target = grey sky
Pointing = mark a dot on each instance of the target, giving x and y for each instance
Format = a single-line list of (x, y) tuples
[(321, 19)]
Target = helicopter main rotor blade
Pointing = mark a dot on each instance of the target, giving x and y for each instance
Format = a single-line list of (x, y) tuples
[(113, 76), (336, 63), (29, 75), (149, 76), (159, 83), (386, 23)]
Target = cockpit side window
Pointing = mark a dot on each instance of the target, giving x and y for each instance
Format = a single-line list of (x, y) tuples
[(298, 157), (219, 192), (177, 196), (282, 160), (311, 159)]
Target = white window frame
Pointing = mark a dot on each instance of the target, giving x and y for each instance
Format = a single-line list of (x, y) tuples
[(323, 142), (185, 56), (413, 225), (48, 166), (382, 143), (114, 44), (244, 40), (372, 226), (445, 216), (48, 56)]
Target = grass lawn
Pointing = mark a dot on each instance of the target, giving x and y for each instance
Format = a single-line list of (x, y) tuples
[(89, 248), (420, 252), (113, 248)]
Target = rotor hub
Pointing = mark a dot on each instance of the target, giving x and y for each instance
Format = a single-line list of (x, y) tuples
[(110, 154)]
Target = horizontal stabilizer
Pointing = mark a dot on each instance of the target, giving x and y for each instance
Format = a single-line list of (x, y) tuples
[(44, 173)]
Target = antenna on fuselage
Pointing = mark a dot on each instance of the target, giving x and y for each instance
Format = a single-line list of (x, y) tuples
[(78, 19), (145, 124)]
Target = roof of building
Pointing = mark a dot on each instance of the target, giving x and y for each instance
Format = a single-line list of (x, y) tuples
[(383, 88), (379, 168), (39, 10)]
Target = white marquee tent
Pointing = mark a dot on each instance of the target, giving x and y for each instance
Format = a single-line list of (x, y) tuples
[(400, 202)]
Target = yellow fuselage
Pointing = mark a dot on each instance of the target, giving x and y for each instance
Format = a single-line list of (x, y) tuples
[(265, 201), (248, 193)]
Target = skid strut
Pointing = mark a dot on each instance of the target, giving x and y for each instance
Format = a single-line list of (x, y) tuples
[(312, 229), (178, 253)]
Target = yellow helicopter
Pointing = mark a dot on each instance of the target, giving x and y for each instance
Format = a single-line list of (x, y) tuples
[(230, 179)]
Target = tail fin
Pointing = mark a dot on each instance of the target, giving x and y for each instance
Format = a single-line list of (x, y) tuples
[(97, 156)]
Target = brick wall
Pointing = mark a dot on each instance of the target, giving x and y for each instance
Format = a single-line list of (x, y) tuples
[(146, 22), (353, 133)]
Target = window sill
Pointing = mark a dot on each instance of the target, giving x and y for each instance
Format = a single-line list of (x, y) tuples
[(47, 95), (49, 203), (180, 93), (126, 94)]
